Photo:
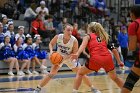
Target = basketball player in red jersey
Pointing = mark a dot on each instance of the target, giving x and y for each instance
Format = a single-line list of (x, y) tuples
[(100, 57), (134, 45), (66, 45)]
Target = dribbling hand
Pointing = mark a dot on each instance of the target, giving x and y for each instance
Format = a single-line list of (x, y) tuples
[(121, 64)]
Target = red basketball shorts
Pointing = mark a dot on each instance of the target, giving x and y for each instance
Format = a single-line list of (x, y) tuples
[(97, 62)]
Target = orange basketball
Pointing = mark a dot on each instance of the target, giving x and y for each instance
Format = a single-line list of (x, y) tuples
[(56, 58)]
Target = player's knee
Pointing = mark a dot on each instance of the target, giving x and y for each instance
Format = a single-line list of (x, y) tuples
[(131, 79), (80, 74), (13, 60)]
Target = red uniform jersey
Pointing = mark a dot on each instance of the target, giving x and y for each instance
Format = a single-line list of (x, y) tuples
[(96, 47), (100, 57), (134, 30)]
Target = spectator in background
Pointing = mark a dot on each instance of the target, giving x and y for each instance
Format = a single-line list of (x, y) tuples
[(75, 31), (83, 30), (20, 33), (76, 34), (43, 8), (49, 25), (106, 23), (123, 41), (38, 27), (8, 56), (1, 33), (22, 56), (61, 25), (4, 22), (92, 2), (30, 14), (28, 48), (101, 6), (10, 32)]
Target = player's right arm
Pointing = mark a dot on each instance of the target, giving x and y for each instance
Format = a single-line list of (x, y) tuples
[(52, 43)]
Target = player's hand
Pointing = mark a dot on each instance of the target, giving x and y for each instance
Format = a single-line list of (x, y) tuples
[(121, 64), (51, 52), (74, 56)]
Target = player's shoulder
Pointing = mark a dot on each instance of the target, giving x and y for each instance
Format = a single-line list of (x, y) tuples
[(72, 37)]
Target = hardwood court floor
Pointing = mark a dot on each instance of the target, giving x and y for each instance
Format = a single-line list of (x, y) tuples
[(62, 83)]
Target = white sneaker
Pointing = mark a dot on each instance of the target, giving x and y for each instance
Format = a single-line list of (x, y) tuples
[(10, 73), (43, 67), (101, 70), (35, 72), (44, 71), (20, 73), (28, 72), (95, 91)]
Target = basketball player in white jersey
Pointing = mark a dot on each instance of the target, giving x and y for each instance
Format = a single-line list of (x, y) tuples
[(66, 45)]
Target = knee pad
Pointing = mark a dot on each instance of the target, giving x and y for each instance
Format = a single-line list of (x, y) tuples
[(131, 79), (51, 75)]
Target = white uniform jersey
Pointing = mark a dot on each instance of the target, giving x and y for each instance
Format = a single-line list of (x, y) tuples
[(65, 49), (2, 44), (25, 46)]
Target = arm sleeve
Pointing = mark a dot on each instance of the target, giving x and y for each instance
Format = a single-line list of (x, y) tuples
[(111, 46), (32, 12)]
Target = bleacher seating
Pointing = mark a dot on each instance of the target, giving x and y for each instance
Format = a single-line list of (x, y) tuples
[(4, 67)]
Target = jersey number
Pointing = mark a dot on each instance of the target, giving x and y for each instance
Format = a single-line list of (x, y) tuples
[(98, 39)]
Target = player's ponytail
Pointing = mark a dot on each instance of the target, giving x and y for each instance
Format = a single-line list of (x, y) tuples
[(97, 28)]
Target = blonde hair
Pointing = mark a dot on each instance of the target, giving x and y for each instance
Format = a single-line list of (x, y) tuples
[(97, 28)]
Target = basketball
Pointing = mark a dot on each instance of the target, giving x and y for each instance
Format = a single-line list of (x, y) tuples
[(56, 58)]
